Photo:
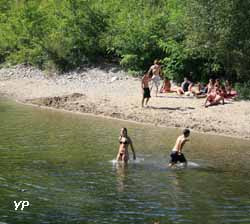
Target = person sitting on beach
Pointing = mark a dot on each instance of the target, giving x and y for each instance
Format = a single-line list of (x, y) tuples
[(210, 85), (215, 97), (206, 90), (155, 69), (230, 91), (166, 86), (145, 89), (217, 84), (222, 91), (228, 86), (124, 141), (176, 154), (200, 90), (184, 87), (195, 89)]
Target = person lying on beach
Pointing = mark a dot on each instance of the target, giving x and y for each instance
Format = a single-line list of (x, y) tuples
[(155, 69), (125, 141), (184, 87), (145, 89), (215, 97), (176, 154)]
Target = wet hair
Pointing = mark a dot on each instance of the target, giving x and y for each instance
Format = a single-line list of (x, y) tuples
[(186, 132), (124, 129)]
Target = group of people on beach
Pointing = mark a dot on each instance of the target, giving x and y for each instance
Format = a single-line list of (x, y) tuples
[(215, 91), (175, 156)]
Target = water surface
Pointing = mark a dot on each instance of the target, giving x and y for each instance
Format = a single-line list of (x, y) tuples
[(62, 164)]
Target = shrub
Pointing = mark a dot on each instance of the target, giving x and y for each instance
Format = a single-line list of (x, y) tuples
[(243, 90)]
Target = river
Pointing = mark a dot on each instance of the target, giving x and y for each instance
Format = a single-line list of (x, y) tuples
[(62, 164)]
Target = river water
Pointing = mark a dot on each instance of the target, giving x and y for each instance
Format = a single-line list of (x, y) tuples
[(61, 163)]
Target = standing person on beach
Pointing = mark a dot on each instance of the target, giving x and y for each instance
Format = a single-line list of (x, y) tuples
[(157, 75), (124, 141), (145, 89), (176, 154)]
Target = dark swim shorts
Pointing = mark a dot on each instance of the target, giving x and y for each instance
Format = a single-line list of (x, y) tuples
[(175, 157), (146, 93)]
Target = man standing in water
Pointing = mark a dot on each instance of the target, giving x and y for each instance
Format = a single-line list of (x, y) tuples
[(145, 89), (176, 154), (157, 74)]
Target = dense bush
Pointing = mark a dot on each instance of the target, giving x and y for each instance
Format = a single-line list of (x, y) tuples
[(203, 37), (63, 33), (243, 90)]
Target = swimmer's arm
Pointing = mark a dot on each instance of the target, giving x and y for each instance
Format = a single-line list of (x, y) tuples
[(118, 154), (132, 148), (179, 145)]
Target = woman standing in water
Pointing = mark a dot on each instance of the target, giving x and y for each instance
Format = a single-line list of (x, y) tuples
[(124, 141)]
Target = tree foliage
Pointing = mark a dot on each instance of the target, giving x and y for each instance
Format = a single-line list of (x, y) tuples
[(208, 38)]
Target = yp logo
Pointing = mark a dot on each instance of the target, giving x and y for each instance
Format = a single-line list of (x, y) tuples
[(22, 204)]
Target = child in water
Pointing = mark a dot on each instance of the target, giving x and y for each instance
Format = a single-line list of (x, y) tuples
[(176, 154), (124, 141)]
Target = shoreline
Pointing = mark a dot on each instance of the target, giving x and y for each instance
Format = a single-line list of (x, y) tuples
[(122, 120), (112, 94)]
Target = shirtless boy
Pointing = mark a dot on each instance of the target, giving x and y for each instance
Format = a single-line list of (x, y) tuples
[(176, 154), (145, 88)]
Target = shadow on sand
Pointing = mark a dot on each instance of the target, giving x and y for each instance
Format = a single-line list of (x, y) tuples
[(177, 97), (172, 108)]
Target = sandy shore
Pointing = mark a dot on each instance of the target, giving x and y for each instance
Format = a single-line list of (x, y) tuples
[(110, 92)]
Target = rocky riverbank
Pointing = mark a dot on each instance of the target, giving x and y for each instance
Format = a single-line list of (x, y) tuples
[(109, 91)]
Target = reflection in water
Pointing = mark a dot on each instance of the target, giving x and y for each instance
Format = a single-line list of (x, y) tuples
[(121, 171)]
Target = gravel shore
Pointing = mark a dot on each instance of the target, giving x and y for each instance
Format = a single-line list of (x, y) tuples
[(109, 91)]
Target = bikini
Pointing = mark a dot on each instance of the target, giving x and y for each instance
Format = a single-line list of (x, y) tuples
[(125, 143)]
